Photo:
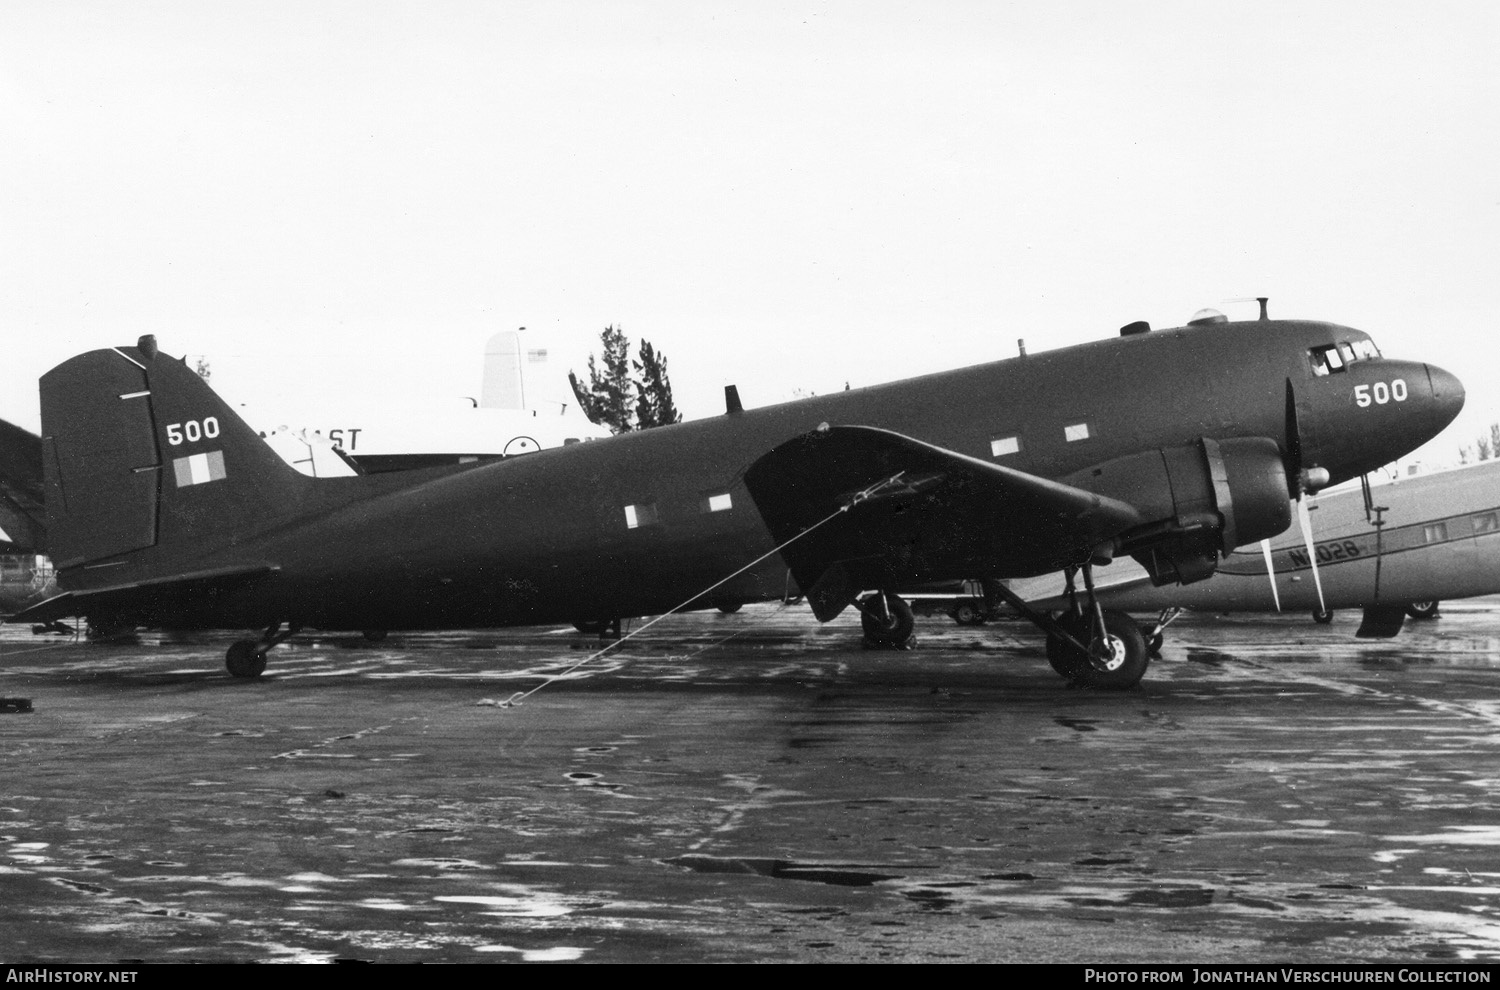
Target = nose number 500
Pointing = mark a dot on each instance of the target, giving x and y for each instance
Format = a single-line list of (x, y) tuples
[(1380, 393)]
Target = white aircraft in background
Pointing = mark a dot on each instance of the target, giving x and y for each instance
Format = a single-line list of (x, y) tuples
[(519, 410)]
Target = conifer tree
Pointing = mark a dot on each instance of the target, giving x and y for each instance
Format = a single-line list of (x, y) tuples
[(653, 403), (606, 399)]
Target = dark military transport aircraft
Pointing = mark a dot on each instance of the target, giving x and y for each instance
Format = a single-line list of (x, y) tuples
[(164, 509)]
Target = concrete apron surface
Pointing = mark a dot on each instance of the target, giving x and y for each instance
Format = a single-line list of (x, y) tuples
[(756, 787)]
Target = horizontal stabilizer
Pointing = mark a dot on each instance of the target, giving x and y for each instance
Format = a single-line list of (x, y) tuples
[(1381, 621), (934, 514), (146, 599)]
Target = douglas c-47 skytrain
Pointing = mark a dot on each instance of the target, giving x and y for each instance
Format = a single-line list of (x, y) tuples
[(1173, 447)]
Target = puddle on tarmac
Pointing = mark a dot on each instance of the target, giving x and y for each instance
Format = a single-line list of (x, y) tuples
[(1077, 724), (781, 869), (1457, 835), (530, 905), (560, 953)]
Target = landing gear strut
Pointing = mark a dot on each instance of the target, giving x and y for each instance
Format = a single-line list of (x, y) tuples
[(1090, 646), (247, 657), (1154, 637)]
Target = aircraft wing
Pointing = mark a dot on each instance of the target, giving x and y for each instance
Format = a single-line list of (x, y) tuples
[(916, 513), (153, 597)]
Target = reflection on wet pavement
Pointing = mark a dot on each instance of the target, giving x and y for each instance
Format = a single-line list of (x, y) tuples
[(1275, 791)]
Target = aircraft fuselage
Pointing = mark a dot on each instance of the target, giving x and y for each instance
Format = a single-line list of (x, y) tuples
[(644, 522)]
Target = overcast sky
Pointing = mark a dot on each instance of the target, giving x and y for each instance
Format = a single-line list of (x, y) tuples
[(330, 199)]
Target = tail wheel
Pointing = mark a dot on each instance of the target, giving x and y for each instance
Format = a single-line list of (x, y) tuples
[(887, 625), (1422, 610), (1114, 662), (1322, 616), (245, 659)]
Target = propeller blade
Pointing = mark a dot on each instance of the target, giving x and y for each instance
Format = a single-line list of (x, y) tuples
[(1305, 522), (1265, 549), (1293, 445)]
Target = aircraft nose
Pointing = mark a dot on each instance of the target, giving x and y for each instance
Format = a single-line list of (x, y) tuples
[(1447, 393)]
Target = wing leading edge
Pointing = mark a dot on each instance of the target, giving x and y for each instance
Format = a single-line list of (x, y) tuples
[(935, 514)]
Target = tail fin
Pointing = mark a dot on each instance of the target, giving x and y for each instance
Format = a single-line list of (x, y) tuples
[(139, 454), (504, 385)]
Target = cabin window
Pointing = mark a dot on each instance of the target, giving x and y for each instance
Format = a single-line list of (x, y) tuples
[(1366, 350), (1487, 522), (720, 502), (640, 514), (1435, 532), (1000, 446), (1076, 432), (1346, 352)]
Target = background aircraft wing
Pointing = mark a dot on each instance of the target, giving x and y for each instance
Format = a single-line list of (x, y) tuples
[(935, 515)]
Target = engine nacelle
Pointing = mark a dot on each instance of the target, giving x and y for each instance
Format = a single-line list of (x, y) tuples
[(1202, 499)]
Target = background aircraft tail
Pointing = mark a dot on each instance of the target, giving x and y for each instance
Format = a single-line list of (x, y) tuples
[(141, 459)]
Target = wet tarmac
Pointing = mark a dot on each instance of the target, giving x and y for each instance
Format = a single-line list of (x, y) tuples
[(754, 787)]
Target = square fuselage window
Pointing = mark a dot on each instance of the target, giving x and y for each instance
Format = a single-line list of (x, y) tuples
[(640, 514), (1000, 446)]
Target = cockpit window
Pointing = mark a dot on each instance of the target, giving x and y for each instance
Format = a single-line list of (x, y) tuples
[(1325, 359), (1330, 358)]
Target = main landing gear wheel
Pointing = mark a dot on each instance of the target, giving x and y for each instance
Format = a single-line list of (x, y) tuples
[(374, 635), (1064, 657), (1322, 616), (245, 659), (887, 624), (1114, 662), (1422, 610)]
